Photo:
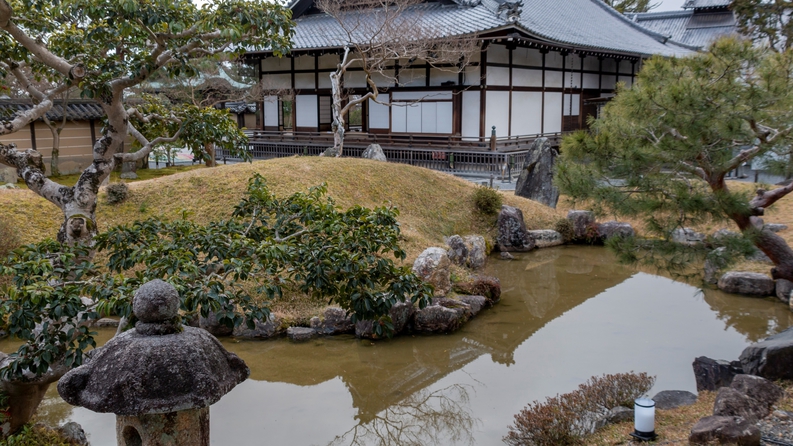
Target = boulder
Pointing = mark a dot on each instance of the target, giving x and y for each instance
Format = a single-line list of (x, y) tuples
[(714, 262), (672, 399), (725, 430), (512, 234), (374, 152), (300, 334), (765, 392), (8, 186), (74, 433), (432, 266), (759, 256), (713, 374), (329, 152), (475, 302), (487, 286), (771, 358), (128, 171), (8, 175), (775, 227), (616, 415), (686, 236), (783, 289), (506, 256), (458, 252), (334, 321), (722, 234), (401, 314), (615, 229), (535, 180), (750, 284), (212, 324), (732, 403), (545, 238), (477, 251), (441, 316), (105, 322), (270, 328), (583, 222)]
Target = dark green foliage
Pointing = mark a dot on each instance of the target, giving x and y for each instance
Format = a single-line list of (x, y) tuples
[(660, 150), (303, 242), (565, 419), (565, 227), (117, 193), (488, 201)]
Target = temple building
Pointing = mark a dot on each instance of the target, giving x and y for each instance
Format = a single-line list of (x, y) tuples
[(698, 24)]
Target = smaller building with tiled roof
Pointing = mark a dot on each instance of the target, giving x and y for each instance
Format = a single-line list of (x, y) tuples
[(698, 24)]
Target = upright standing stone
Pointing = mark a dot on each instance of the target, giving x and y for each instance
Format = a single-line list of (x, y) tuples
[(535, 181), (512, 233), (583, 222), (8, 175), (374, 152), (159, 378), (432, 266)]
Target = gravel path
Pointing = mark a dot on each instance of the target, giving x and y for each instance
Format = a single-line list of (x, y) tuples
[(777, 429)]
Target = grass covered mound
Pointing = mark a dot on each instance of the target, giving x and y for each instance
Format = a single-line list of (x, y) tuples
[(431, 204)]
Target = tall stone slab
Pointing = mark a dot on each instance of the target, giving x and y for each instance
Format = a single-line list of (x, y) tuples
[(535, 181)]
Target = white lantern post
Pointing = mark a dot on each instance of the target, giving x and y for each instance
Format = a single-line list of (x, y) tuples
[(644, 419)]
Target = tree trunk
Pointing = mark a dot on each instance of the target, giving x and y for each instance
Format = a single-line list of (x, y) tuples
[(338, 117), (210, 160)]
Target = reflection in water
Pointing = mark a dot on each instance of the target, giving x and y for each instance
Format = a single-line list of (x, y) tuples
[(423, 418), (566, 314)]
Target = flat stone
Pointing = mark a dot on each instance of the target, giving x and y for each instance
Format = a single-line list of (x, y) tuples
[(487, 286), (771, 358), (672, 399), (713, 374), (687, 236), (775, 227), (475, 302), (546, 238), (506, 256), (268, 329), (783, 289), (300, 334), (611, 229), (750, 284), (334, 321), (438, 319), (105, 322), (725, 430)]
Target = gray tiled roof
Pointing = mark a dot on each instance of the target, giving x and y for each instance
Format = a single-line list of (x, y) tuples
[(706, 3), (695, 29), (580, 23), (76, 110)]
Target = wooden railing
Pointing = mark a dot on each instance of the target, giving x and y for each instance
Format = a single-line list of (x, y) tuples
[(451, 154)]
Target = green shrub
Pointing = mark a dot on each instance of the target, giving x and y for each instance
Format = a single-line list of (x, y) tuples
[(565, 419), (487, 200), (117, 193), (36, 436), (565, 227)]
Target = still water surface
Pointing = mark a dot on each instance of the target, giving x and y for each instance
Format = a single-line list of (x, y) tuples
[(566, 314)]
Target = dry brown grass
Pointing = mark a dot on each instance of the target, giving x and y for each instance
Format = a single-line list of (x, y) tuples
[(673, 426), (431, 204)]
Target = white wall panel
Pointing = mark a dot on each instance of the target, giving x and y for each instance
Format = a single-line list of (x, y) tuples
[(609, 82), (471, 76), (609, 65), (276, 64), (471, 113), (497, 112), (553, 60), (412, 77), (573, 62), (572, 79), (414, 118), (304, 80), (324, 80), (304, 63), (553, 79), (306, 110), (591, 80), (354, 79), (527, 56), (399, 117), (572, 105), (270, 110), (553, 113), (526, 78), (497, 76), (526, 112), (378, 114), (328, 61), (444, 116), (418, 95), (325, 111), (429, 117), (384, 79), (591, 63), (627, 80), (437, 76), (276, 81), (497, 54)]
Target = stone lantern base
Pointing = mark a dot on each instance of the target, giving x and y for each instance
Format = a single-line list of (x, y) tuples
[(182, 428)]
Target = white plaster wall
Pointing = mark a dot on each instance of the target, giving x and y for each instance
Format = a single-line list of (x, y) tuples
[(429, 117), (527, 56), (572, 79), (526, 112), (270, 111), (328, 61), (553, 59), (384, 79), (497, 54), (304, 63), (417, 95), (591, 80), (304, 80), (497, 76), (553, 113), (443, 123), (399, 117), (526, 78), (609, 81), (276, 81), (553, 79), (324, 80), (354, 79), (277, 64), (437, 76), (471, 75), (591, 63), (412, 77), (414, 118), (497, 112), (471, 113), (572, 62), (576, 105), (306, 110), (609, 65), (378, 114)]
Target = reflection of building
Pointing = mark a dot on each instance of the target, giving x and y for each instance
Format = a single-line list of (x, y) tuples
[(535, 70), (698, 24), (379, 376)]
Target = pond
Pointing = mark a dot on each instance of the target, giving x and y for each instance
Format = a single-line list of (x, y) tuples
[(566, 314)]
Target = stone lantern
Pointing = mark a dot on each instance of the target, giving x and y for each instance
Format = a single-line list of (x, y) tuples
[(159, 378)]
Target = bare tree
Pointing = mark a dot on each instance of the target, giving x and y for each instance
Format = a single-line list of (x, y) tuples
[(55, 130), (378, 34)]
